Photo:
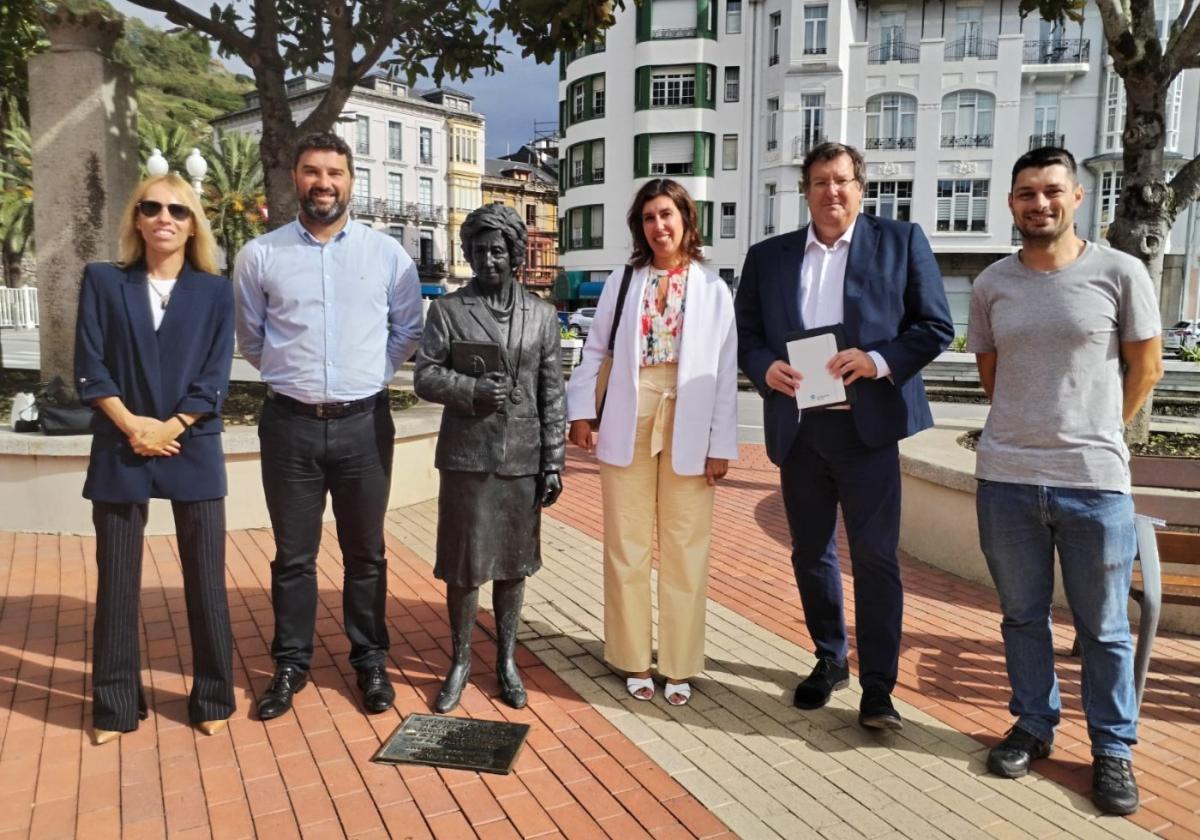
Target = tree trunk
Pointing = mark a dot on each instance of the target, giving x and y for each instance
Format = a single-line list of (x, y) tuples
[(275, 147)]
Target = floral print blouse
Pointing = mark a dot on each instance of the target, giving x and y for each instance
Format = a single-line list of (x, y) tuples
[(662, 332)]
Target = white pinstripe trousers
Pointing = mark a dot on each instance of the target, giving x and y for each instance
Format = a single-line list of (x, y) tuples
[(118, 700)]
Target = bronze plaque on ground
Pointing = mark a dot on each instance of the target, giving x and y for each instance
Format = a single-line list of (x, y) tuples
[(488, 746)]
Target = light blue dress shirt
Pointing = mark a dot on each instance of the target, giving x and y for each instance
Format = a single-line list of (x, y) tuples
[(327, 321)]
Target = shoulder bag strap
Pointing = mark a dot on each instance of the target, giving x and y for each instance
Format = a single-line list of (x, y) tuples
[(612, 335)]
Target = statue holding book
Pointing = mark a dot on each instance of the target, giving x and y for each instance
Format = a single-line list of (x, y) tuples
[(490, 354)]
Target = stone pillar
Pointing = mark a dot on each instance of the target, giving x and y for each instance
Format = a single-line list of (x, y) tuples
[(83, 126)]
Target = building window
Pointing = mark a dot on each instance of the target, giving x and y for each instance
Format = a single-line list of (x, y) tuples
[(772, 123), (891, 121), (704, 219), (425, 258), (597, 162), (967, 119), (892, 46), (816, 21), (812, 120), (672, 154), (395, 141), (769, 210), (362, 189), (362, 135), (728, 220), (426, 150), (598, 96), (888, 200), (733, 17), (962, 205), (395, 191), (1045, 121), (531, 215), (970, 31), (577, 155), (673, 87), (1174, 106), (1114, 112), (733, 77), (425, 195), (586, 226), (1110, 193), (776, 21), (729, 151), (465, 146)]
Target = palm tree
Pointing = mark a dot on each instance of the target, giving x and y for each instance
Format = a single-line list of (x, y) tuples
[(174, 141), (16, 196), (234, 195)]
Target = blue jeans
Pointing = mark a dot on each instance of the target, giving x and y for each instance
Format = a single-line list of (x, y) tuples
[(1020, 526)]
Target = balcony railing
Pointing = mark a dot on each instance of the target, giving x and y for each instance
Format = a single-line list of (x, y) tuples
[(805, 143), (1061, 51), (676, 32), (768, 230), (431, 268), (815, 50), (1039, 141), (894, 51), (967, 141), (971, 48), (891, 143), (397, 209)]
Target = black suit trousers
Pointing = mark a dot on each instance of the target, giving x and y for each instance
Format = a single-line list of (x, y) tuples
[(829, 465), (118, 699), (350, 460)]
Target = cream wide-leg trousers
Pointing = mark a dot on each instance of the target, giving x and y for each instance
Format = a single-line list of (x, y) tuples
[(634, 498)]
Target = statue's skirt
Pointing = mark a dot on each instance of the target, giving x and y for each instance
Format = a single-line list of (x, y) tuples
[(488, 528)]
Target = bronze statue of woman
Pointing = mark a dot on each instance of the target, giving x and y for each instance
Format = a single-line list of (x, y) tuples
[(490, 354)]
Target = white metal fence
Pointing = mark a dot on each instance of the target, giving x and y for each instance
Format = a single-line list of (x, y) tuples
[(19, 308)]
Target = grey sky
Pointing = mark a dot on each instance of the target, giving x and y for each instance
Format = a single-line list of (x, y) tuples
[(511, 101)]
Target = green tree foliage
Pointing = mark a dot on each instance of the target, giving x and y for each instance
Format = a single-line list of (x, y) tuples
[(174, 141), (16, 195), (453, 37), (233, 192)]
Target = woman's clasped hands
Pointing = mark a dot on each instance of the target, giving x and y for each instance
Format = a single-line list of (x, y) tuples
[(150, 437)]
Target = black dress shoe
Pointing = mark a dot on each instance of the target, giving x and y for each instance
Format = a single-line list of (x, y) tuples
[(877, 712), (1011, 757), (825, 679), (287, 681), (1114, 790), (378, 694)]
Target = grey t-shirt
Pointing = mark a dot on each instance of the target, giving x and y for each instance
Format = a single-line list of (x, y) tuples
[(1056, 410)]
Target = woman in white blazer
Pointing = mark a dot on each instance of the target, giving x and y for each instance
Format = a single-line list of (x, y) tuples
[(667, 433)]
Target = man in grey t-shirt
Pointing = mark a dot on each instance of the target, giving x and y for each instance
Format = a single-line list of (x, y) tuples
[(1051, 327)]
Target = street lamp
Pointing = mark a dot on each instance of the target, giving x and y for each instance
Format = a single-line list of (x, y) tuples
[(156, 164), (196, 167)]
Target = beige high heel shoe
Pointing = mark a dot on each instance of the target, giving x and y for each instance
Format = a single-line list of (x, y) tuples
[(103, 736), (212, 727)]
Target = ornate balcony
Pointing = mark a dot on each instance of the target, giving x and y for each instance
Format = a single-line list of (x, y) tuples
[(971, 48), (1039, 141), (1059, 51), (966, 141), (887, 144), (894, 51)]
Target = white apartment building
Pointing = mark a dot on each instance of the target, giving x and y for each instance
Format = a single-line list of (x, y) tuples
[(942, 97), (405, 146)]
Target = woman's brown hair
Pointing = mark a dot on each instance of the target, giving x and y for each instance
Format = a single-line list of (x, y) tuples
[(691, 244)]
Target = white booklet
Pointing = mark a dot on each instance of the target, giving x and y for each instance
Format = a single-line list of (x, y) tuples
[(809, 355)]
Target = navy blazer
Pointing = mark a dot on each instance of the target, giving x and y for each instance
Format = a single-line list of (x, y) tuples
[(184, 367), (894, 303)]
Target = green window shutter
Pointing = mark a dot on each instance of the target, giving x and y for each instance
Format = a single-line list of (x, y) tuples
[(644, 15), (705, 18), (641, 94), (587, 97), (705, 210), (641, 155), (707, 143), (706, 83), (700, 166), (562, 65), (562, 234), (587, 162), (563, 166), (586, 210), (562, 115)]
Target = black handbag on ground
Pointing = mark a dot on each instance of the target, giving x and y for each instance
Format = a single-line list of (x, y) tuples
[(61, 413)]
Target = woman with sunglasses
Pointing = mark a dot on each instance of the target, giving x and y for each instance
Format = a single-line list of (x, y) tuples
[(668, 431), (153, 349)]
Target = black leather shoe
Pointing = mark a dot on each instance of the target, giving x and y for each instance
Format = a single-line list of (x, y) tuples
[(825, 679), (1114, 790), (277, 699), (877, 712), (1010, 758), (378, 694)]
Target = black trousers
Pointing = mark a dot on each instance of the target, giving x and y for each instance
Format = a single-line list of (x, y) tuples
[(350, 459), (827, 465), (117, 696)]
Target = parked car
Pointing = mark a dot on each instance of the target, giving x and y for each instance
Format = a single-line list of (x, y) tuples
[(1185, 335), (581, 321)]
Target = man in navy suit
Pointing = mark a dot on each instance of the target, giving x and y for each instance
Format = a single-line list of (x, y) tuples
[(879, 280)]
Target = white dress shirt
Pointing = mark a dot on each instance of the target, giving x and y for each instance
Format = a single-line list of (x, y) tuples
[(823, 285)]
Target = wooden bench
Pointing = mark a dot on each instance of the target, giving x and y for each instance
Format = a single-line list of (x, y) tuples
[(1178, 587)]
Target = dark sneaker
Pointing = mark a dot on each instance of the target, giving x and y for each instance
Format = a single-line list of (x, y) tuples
[(826, 678), (877, 712), (1114, 790), (1011, 757)]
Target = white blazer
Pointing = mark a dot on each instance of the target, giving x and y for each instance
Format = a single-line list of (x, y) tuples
[(706, 394)]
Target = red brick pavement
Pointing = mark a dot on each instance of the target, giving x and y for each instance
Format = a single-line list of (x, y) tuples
[(952, 663), (304, 774)]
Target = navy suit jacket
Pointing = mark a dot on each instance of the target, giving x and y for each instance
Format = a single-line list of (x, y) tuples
[(894, 303), (184, 367)]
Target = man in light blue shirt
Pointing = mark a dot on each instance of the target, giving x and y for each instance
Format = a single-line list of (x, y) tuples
[(327, 310)]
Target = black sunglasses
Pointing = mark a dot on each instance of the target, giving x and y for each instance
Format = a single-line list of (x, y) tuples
[(151, 209)]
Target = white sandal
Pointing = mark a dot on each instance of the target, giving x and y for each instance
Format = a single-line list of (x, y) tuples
[(678, 694), (640, 688)]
